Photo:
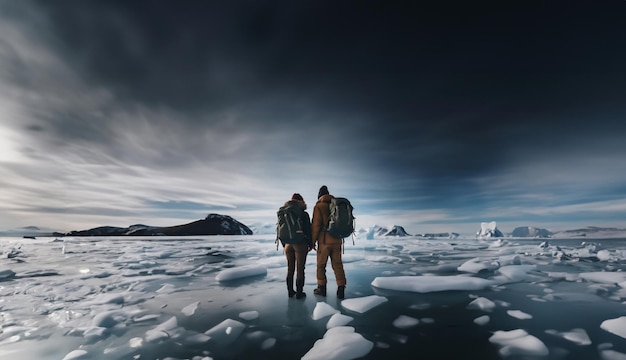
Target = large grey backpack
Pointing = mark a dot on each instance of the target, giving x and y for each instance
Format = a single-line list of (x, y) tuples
[(289, 229), (341, 219)]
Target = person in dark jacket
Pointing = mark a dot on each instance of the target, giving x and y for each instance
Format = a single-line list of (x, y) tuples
[(327, 246), (296, 253)]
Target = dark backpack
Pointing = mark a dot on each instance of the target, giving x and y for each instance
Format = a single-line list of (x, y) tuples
[(341, 219), (289, 229)]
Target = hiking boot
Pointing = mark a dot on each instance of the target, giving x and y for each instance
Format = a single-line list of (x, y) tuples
[(341, 292), (290, 291), (299, 293), (320, 290)]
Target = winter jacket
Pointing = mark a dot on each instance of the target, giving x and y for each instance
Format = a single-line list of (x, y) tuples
[(306, 221), (321, 213)]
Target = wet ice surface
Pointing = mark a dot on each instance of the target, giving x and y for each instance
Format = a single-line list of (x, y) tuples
[(224, 297)]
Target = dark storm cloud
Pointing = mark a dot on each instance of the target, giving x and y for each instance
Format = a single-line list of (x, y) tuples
[(441, 79), (445, 106)]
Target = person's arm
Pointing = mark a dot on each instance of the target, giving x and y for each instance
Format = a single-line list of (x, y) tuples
[(307, 230), (316, 225)]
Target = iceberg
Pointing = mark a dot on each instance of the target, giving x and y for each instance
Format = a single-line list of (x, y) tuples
[(489, 230)]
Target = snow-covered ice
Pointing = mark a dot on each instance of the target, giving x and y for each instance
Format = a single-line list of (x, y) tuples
[(224, 297)]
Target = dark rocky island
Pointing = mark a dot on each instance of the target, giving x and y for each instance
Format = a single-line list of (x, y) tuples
[(213, 224)]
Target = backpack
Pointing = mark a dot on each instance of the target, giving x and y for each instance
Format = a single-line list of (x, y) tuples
[(341, 219), (289, 229)]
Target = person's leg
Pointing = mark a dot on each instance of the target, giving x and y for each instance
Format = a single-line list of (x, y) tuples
[(291, 267), (322, 259), (337, 264), (300, 252)]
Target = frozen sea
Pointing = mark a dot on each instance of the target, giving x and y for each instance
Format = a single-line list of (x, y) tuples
[(224, 297)]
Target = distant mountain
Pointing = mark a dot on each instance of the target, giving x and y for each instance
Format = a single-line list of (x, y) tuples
[(397, 230), (381, 231), (591, 231), (529, 231), (213, 224)]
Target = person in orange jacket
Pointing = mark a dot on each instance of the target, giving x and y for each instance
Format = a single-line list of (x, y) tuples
[(327, 246)]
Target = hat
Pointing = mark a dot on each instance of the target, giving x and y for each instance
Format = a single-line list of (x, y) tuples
[(297, 196), (323, 191)]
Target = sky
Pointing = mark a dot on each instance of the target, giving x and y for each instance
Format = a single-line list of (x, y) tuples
[(432, 117)]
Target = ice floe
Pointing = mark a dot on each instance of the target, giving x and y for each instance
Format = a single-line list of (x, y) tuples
[(339, 343), (518, 342), (225, 297)]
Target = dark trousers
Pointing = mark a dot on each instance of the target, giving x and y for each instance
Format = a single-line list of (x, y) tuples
[(296, 260)]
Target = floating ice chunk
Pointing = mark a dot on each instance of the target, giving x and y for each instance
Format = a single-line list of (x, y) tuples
[(249, 315), (339, 343), (338, 320), (483, 304), (510, 260), (109, 319), (190, 309), (7, 274), (615, 326), (518, 314), (516, 273), (167, 289), (612, 355), (405, 322), (135, 342), (605, 277), (477, 265), (76, 354), (322, 310), (482, 320), (363, 304), (518, 342), (577, 336), (603, 255), (241, 272), (95, 333), (425, 284), (162, 331), (147, 317), (225, 332)]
